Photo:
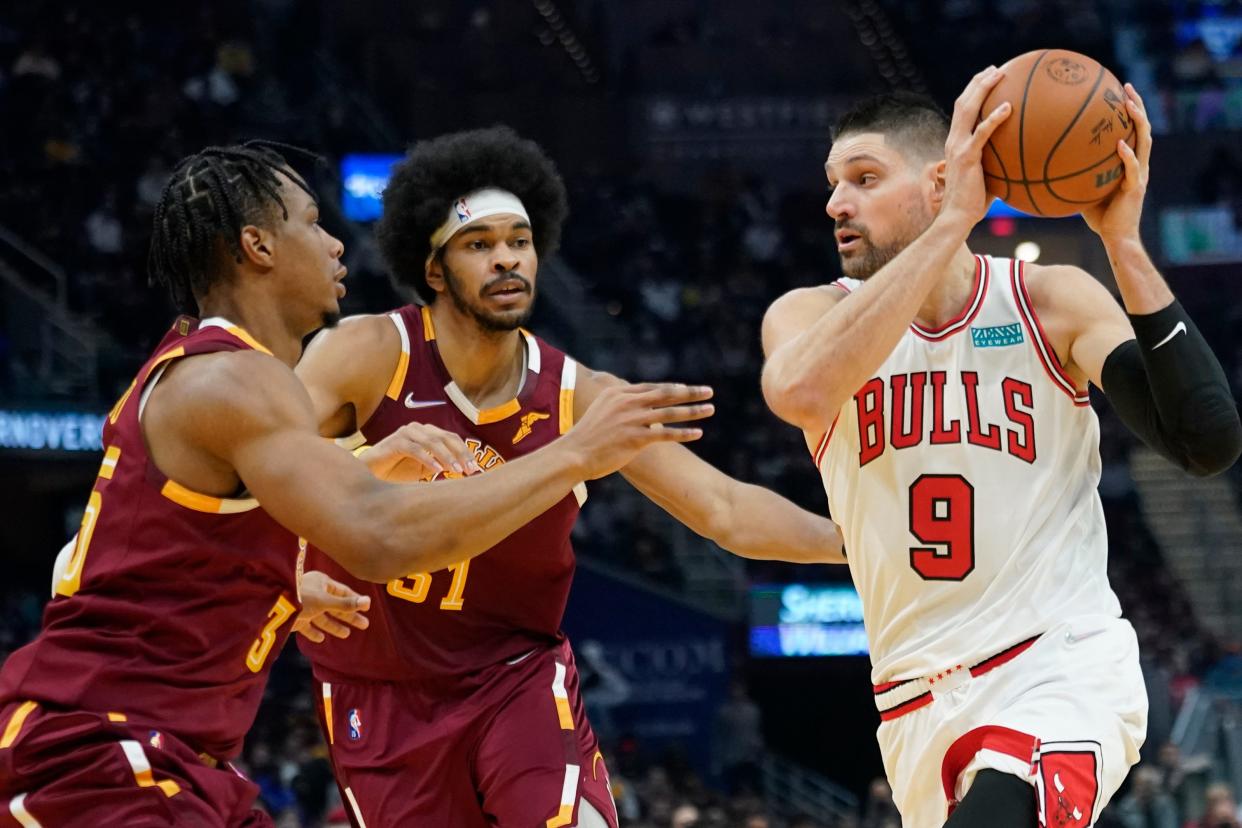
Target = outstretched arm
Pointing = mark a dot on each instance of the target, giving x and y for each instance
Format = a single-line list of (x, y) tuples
[(745, 519), (248, 412), (1150, 359)]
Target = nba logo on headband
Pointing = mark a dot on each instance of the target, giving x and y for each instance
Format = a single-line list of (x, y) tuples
[(463, 211)]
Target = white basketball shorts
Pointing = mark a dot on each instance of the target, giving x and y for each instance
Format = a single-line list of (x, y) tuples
[(1068, 714)]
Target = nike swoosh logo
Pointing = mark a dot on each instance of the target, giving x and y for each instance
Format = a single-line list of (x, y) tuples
[(1180, 327), (410, 402)]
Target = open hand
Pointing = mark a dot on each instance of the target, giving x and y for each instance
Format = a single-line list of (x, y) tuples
[(329, 607)]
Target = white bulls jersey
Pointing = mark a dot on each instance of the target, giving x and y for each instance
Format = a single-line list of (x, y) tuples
[(963, 476)]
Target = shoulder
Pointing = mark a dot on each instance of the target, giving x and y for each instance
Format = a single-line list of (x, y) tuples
[(228, 386), (796, 311), (589, 385), (1063, 290), (365, 335)]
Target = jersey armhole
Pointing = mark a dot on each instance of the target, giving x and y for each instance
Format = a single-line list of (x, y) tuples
[(397, 382), (1039, 340)]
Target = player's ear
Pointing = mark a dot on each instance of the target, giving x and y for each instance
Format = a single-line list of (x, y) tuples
[(257, 246), (434, 274), (935, 183)]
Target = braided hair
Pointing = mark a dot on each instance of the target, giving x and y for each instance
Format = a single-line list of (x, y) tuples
[(208, 199)]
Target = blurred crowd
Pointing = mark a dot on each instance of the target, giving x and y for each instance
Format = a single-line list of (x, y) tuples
[(105, 103)]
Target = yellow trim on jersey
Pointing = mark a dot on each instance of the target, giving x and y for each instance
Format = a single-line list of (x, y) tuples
[(191, 499), (115, 413), (569, 797), (244, 336), (142, 769), (108, 467), (429, 327), (563, 817), (569, 379), (403, 359), (563, 713), (498, 413), (327, 710), (15, 723), (595, 760), (117, 717)]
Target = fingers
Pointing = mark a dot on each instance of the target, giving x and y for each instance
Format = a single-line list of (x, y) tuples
[(675, 435), (354, 619), (1134, 171), (659, 395), (1138, 111), (339, 598), (311, 634), (983, 132), (454, 451), (680, 413), (967, 106), (331, 626), (435, 448)]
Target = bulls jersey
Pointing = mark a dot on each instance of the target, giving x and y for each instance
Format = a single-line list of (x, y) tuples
[(174, 603), (963, 476), (443, 627)]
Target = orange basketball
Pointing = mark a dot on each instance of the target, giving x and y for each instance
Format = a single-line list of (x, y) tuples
[(1057, 152)]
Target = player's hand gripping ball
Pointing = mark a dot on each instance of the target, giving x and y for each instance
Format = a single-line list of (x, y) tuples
[(1057, 152)]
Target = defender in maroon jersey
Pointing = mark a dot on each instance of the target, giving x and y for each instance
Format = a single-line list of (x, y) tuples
[(179, 589), (460, 704)]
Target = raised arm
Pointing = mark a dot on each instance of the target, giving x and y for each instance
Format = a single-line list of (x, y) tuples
[(745, 519), (246, 411), (811, 374), (1150, 359)]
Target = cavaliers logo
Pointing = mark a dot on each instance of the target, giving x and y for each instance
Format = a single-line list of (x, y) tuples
[(1066, 71)]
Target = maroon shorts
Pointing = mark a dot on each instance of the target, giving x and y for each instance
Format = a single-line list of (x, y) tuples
[(76, 768), (517, 752)]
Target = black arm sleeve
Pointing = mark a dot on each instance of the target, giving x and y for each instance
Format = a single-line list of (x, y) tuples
[(1169, 389)]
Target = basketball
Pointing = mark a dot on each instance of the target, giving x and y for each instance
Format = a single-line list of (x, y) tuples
[(1057, 152)]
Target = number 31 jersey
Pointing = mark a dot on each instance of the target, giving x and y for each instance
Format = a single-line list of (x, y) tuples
[(963, 476), (443, 629)]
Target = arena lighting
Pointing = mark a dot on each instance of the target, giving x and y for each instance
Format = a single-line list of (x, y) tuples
[(363, 179), (51, 431), (1027, 251), (801, 620)]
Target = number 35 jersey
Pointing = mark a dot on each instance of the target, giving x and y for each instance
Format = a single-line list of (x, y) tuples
[(441, 629), (963, 476)]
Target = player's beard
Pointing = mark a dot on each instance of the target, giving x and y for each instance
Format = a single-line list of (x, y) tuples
[(864, 264), (331, 318), (487, 320)]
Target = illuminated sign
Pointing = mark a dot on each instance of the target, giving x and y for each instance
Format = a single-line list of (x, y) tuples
[(806, 620), (364, 178), (51, 431)]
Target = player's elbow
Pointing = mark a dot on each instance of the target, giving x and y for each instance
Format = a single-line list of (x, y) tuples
[(796, 401), (1216, 445)]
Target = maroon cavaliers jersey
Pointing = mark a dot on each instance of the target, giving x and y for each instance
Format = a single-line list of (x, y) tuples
[(174, 603), (442, 627)]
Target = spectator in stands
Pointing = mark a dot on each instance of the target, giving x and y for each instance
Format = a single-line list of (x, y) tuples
[(1147, 805), (1182, 777), (880, 811), (685, 815), (738, 741)]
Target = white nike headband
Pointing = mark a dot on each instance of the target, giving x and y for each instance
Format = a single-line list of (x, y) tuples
[(474, 207)]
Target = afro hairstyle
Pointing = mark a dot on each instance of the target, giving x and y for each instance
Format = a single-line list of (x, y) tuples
[(438, 171)]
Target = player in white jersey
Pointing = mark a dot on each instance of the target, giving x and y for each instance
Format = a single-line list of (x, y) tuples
[(944, 398)]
